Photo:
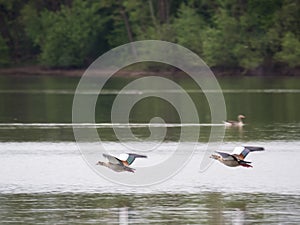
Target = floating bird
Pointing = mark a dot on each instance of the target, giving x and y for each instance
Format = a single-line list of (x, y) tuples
[(121, 163), (236, 158), (238, 123)]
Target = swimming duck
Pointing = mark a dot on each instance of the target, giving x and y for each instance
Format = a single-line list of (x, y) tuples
[(121, 163), (236, 158), (238, 123)]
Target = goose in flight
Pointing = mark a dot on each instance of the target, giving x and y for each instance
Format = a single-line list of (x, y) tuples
[(121, 163), (236, 158), (238, 123)]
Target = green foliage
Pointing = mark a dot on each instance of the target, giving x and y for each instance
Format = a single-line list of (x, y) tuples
[(12, 33), (243, 35), (188, 27), (32, 23), (4, 52), (219, 41), (228, 34), (65, 37), (288, 17), (290, 52), (118, 35), (147, 24), (247, 58)]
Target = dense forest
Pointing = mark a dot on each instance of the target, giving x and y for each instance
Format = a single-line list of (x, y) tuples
[(249, 35)]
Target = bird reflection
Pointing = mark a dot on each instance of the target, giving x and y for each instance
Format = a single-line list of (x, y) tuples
[(235, 131), (238, 217), (225, 211), (123, 216)]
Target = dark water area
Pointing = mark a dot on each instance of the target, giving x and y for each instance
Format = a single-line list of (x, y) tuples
[(204, 208), (45, 180)]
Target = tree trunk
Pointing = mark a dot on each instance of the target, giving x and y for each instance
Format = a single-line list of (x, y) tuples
[(126, 21)]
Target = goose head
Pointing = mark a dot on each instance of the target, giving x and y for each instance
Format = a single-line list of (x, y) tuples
[(101, 163), (217, 157), (241, 117)]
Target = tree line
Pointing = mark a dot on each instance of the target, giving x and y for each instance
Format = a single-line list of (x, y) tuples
[(227, 34)]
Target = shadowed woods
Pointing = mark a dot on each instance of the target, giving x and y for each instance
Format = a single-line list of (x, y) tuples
[(232, 37)]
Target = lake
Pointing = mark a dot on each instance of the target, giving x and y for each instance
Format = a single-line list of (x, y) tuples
[(46, 177)]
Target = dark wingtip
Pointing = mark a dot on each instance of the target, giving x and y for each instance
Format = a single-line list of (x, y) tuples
[(252, 148), (138, 155), (246, 165)]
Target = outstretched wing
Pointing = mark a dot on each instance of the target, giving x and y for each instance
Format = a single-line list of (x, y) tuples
[(244, 163), (223, 154), (112, 159), (128, 158), (253, 149), (242, 152), (230, 121)]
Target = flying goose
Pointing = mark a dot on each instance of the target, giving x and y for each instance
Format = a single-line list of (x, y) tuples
[(238, 123), (121, 163), (236, 158)]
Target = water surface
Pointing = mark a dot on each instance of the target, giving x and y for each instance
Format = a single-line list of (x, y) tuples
[(45, 180)]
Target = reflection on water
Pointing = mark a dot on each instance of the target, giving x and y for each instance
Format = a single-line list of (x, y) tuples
[(204, 208), (64, 131), (44, 179), (264, 101)]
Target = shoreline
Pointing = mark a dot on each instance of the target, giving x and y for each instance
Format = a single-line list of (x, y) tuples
[(40, 71)]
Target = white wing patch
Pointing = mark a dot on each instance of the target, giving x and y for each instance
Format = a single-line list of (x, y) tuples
[(112, 159), (123, 156), (238, 150)]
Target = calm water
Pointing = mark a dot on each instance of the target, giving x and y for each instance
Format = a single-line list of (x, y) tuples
[(45, 180)]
